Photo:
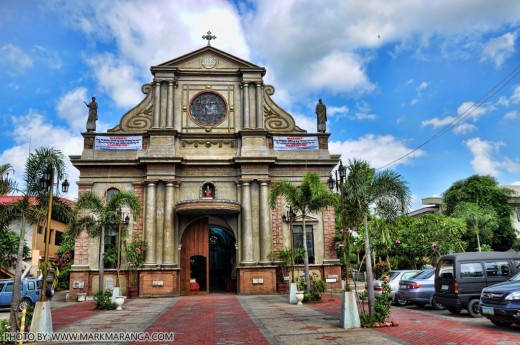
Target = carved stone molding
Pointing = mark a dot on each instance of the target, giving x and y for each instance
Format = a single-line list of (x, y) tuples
[(139, 118), (275, 118), (208, 143)]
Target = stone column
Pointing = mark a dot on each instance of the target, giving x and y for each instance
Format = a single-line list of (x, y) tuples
[(259, 107), (169, 108), (159, 222), (245, 101), (266, 236), (157, 105), (175, 228), (247, 231), (168, 226), (150, 222)]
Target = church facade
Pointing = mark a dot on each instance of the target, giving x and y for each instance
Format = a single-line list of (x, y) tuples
[(201, 151)]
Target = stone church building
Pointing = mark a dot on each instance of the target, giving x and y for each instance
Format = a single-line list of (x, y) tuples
[(201, 151)]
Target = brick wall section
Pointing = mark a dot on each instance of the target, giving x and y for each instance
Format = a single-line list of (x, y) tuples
[(81, 249), (81, 242), (168, 279), (246, 281), (328, 233), (138, 227), (81, 276), (277, 224), (332, 270)]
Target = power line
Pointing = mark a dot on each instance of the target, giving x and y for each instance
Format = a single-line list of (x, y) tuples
[(459, 119)]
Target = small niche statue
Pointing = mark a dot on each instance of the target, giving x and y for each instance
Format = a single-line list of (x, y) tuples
[(207, 192), (321, 112), (92, 115)]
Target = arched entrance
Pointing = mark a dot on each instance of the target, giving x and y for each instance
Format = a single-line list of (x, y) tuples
[(208, 257)]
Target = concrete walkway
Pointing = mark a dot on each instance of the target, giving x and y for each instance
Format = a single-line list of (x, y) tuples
[(215, 319)]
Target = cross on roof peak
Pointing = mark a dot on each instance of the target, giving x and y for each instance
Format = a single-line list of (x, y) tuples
[(209, 37)]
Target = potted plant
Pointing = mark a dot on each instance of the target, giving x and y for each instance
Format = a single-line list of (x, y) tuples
[(283, 258), (135, 256)]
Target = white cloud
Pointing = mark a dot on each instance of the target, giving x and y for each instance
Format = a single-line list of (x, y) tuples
[(47, 57), (482, 162), (515, 98), (473, 111), (337, 112), (117, 79), (378, 150), (437, 122), (363, 112), (338, 72), (511, 115), (71, 108), (498, 49), (422, 87), (32, 131), (13, 58), (464, 128), (510, 166)]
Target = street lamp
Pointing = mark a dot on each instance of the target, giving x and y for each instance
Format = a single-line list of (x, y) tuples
[(124, 219), (290, 217), (349, 317), (42, 318), (346, 241), (47, 182)]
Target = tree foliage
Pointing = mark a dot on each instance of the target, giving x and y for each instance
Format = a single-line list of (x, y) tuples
[(485, 192), (423, 240), (384, 192), (96, 215), (311, 196)]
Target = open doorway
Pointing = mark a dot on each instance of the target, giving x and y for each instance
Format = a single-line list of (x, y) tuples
[(222, 260)]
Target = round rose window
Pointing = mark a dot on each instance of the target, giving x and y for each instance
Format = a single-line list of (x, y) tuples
[(208, 109)]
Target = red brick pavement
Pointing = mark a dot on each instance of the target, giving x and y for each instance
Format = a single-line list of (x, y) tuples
[(67, 315), (208, 320), (419, 328)]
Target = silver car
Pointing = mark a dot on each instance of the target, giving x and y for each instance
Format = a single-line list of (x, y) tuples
[(420, 290), (395, 277)]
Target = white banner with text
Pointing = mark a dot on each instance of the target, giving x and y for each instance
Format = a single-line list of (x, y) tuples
[(119, 143), (295, 143)]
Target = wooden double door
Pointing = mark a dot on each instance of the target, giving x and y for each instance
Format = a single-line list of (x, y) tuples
[(208, 259)]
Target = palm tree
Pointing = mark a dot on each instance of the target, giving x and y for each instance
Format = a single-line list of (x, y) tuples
[(7, 185), (383, 191), (35, 210), (310, 197), (479, 219), (96, 215)]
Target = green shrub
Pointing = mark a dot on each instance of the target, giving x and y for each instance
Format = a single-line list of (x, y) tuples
[(380, 268), (104, 300), (381, 308), (4, 328)]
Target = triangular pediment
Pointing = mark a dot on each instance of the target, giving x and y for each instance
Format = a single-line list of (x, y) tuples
[(207, 58)]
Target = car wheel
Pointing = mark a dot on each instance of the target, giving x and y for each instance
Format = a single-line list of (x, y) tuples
[(454, 310), (473, 308), (25, 303), (50, 290), (399, 301), (436, 305), (500, 323)]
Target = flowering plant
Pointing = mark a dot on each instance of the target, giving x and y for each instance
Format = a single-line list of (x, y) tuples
[(135, 252)]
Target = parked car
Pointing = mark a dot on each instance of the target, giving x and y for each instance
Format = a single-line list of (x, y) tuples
[(461, 277), (500, 303), (420, 290), (31, 292), (395, 276)]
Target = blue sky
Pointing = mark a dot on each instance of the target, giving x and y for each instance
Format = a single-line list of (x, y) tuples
[(393, 74)]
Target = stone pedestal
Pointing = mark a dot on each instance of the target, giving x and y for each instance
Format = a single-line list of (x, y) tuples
[(349, 317), (292, 294), (42, 319)]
